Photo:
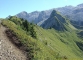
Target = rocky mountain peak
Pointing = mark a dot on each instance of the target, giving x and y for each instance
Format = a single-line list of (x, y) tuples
[(24, 13), (54, 13), (58, 15), (55, 21), (80, 5)]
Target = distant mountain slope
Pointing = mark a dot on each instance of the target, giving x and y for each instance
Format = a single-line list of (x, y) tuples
[(71, 12), (28, 16), (55, 21), (58, 22)]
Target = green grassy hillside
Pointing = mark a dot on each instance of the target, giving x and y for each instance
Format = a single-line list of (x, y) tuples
[(49, 44), (62, 43)]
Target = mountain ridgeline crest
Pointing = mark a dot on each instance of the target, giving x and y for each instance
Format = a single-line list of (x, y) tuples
[(55, 21), (73, 13)]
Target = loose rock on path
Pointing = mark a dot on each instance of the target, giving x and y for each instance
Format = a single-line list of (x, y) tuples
[(9, 51)]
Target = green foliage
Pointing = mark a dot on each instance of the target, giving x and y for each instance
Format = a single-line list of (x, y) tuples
[(16, 20), (50, 43), (26, 25), (29, 28), (33, 33)]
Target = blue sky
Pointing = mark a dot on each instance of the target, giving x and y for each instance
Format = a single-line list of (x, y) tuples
[(12, 7)]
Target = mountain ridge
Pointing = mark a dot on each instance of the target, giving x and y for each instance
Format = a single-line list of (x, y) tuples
[(55, 21), (40, 16), (50, 44)]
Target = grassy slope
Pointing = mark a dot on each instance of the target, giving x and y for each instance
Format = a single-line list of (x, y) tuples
[(62, 43), (50, 44)]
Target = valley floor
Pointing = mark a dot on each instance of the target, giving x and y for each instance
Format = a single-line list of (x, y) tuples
[(9, 51)]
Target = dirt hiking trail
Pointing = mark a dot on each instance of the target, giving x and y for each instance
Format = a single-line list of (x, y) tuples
[(8, 51)]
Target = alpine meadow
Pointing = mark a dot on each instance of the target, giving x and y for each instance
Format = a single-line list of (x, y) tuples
[(54, 34)]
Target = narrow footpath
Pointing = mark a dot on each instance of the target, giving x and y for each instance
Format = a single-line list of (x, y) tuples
[(9, 51)]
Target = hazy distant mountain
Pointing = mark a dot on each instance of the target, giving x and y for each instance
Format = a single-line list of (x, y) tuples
[(71, 12), (28, 16), (35, 16), (80, 5)]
